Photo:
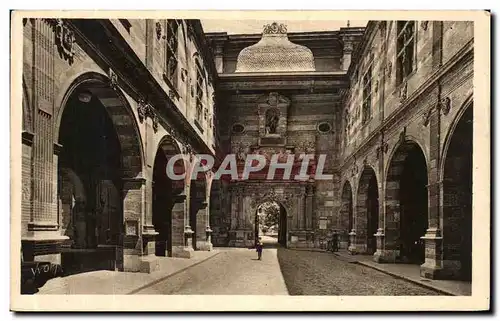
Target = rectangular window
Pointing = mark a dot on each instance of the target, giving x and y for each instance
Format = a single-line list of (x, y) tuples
[(200, 84), (172, 60), (367, 95), (405, 49)]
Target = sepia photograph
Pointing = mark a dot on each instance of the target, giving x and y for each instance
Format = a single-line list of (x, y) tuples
[(279, 155)]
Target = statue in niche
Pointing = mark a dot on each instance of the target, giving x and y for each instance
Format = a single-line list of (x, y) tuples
[(272, 119)]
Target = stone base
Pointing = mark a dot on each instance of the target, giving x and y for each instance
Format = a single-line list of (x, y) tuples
[(449, 270), (149, 264), (183, 252), (385, 256), (204, 246), (131, 263), (357, 249)]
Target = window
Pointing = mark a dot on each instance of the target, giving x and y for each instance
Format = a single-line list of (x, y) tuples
[(324, 128), (367, 95), (405, 49), (172, 60), (200, 85)]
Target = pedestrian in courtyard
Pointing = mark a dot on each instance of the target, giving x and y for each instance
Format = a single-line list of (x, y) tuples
[(258, 247)]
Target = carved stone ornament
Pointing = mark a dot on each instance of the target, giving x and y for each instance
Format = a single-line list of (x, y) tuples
[(113, 79), (142, 108), (383, 148), (426, 118), (274, 28), (145, 110), (402, 136), (389, 70), (184, 74), (65, 39), (424, 25), (445, 105), (158, 30), (354, 169), (403, 91), (365, 162)]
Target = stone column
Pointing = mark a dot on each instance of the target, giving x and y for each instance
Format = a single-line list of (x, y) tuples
[(433, 265), (201, 228), (181, 231), (135, 256), (382, 254), (148, 230)]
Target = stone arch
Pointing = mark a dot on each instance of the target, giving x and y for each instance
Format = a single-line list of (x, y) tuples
[(282, 218), (165, 190), (367, 211), (120, 112), (457, 178), (101, 143), (406, 202)]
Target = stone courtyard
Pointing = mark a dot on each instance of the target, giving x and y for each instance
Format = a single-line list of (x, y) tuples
[(385, 111)]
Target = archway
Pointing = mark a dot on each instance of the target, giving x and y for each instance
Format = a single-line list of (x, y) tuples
[(270, 224), (164, 192), (346, 215), (367, 211), (457, 197), (407, 203), (100, 147)]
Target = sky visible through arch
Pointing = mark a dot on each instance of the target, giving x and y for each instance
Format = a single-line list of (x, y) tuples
[(252, 26)]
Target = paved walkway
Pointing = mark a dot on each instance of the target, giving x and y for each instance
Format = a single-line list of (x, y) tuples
[(410, 272), (112, 282), (233, 271)]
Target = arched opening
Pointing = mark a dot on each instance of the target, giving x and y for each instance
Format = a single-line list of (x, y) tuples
[(97, 154), (270, 224), (346, 216), (367, 211), (406, 203), (457, 198)]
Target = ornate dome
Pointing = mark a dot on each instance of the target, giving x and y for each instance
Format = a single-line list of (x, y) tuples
[(274, 53)]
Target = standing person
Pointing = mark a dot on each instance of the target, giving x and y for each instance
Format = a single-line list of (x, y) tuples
[(259, 247)]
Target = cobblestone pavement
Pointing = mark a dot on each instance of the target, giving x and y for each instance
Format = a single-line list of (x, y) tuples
[(232, 271), (316, 273)]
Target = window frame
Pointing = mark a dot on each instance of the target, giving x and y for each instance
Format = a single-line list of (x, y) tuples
[(367, 93), (172, 52), (402, 47)]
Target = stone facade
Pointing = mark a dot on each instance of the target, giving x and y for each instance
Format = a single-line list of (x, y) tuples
[(398, 96), (123, 96), (390, 105)]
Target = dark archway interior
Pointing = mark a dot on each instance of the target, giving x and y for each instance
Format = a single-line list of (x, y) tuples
[(457, 197), (372, 214), (271, 224), (91, 150), (413, 206), (162, 205)]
